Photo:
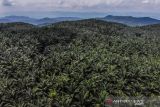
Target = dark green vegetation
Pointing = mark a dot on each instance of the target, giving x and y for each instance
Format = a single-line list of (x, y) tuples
[(77, 64)]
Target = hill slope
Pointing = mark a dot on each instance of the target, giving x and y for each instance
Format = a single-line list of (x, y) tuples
[(77, 63), (15, 26)]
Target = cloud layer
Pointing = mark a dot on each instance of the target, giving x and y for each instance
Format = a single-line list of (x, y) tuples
[(7, 3), (80, 5)]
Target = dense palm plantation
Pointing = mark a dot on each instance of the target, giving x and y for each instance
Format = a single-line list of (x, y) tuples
[(77, 64)]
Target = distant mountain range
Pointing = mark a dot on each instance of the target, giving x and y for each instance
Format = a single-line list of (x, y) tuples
[(128, 20), (131, 21), (43, 21)]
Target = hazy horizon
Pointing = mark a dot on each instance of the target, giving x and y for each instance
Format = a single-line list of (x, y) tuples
[(78, 15)]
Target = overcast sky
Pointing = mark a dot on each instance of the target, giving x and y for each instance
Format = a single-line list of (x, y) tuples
[(53, 8)]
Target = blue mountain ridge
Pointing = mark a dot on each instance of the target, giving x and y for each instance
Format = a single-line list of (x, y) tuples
[(128, 20)]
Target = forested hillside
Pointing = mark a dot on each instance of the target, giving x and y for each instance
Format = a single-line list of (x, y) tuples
[(77, 64)]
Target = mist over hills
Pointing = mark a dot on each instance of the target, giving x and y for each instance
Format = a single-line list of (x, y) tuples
[(127, 20)]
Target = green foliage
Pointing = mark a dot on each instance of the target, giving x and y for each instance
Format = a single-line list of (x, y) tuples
[(77, 63), (52, 93)]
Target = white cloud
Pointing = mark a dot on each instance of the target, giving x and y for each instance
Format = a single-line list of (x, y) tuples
[(7, 2), (145, 1), (64, 3), (81, 5)]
